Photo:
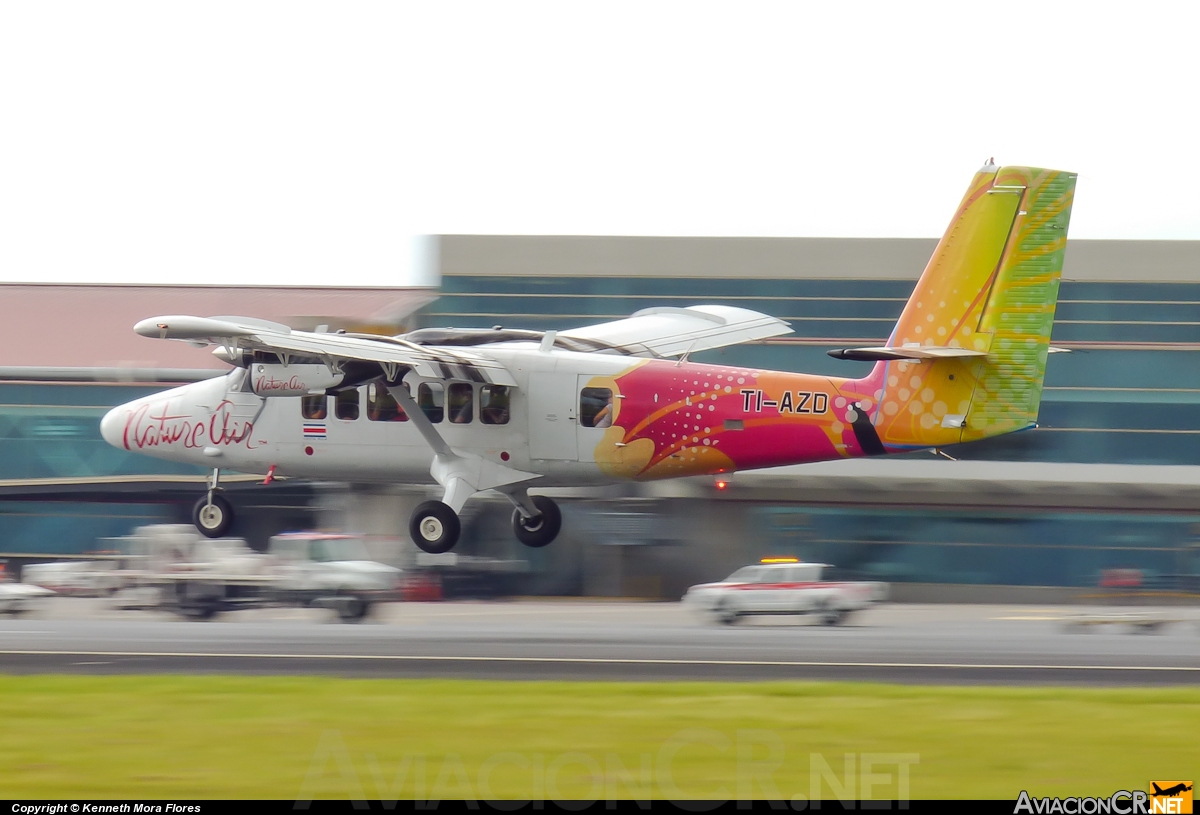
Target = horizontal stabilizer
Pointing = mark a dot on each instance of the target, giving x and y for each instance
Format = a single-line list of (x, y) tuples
[(914, 352)]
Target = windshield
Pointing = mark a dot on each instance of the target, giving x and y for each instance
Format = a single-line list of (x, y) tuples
[(746, 574), (331, 549)]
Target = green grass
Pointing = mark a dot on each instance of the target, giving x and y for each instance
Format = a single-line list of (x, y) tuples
[(280, 737)]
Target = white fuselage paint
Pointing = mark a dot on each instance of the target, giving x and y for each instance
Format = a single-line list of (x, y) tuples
[(217, 423)]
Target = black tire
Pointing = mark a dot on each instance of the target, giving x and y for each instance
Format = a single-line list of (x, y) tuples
[(541, 530), (199, 611), (353, 609), (835, 616), (213, 520), (434, 527)]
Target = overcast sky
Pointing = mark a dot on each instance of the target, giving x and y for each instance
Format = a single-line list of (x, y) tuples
[(296, 142)]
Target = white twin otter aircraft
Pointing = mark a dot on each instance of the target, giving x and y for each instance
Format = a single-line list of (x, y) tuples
[(506, 410)]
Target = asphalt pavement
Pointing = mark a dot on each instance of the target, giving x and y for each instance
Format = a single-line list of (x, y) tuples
[(578, 640)]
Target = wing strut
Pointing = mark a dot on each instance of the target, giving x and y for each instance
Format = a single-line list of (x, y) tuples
[(460, 474)]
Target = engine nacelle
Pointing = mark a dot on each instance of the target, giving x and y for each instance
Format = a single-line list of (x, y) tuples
[(291, 380)]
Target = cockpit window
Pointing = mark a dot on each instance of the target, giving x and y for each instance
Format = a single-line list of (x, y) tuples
[(315, 406), (346, 406)]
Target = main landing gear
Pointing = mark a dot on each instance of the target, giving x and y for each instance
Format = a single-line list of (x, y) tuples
[(212, 514), (435, 527), (538, 530)]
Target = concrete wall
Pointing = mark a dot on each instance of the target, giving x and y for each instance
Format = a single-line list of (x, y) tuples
[(870, 258)]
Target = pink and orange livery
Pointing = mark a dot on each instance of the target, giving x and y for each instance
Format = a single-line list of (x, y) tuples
[(504, 410), (965, 361)]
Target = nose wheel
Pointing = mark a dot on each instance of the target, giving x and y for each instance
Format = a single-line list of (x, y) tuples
[(541, 529), (212, 516), (434, 527)]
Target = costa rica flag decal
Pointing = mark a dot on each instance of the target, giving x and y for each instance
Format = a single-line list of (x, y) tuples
[(314, 431)]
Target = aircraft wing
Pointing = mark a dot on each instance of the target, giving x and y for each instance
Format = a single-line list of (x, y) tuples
[(669, 332), (260, 335)]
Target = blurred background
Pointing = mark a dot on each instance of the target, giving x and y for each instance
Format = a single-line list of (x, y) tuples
[(1104, 493)]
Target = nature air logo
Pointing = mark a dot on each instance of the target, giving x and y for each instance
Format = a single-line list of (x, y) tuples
[(1166, 797), (1170, 797)]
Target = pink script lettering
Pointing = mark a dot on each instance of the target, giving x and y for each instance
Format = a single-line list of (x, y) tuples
[(152, 425)]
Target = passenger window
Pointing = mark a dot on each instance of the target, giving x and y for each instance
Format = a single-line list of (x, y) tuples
[(596, 407), (346, 406), (459, 399), (381, 405), (314, 407), (493, 404), (317, 548), (431, 397)]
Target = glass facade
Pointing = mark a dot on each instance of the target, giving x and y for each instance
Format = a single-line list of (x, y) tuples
[(1128, 391), (1009, 547), (63, 489), (53, 431)]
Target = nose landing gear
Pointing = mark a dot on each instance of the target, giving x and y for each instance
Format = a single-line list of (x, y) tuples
[(212, 514)]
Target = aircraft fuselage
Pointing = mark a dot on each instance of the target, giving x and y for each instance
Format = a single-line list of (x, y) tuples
[(668, 419)]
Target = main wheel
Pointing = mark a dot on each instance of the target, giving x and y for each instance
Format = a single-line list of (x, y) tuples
[(212, 519), (541, 529), (434, 527)]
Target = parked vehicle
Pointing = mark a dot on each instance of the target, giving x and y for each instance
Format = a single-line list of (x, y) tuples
[(783, 586), (329, 570), (19, 598), (79, 578), (171, 566)]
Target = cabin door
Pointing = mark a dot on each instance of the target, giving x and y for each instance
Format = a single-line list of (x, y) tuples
[(552, 419)]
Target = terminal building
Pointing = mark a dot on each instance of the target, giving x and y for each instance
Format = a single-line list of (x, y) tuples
[(1110, 479)]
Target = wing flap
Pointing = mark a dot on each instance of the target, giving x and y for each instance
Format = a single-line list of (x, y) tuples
[(670, 331)]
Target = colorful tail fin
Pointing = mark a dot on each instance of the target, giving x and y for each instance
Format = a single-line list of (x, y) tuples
[(990, 288)]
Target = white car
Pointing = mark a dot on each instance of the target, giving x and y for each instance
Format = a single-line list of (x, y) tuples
[(18, 598), (782, 586), (316, 568)]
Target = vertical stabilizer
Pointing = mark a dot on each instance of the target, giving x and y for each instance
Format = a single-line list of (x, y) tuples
[(1019, 314), (990, 288)]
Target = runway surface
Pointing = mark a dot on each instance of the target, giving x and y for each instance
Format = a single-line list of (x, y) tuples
[(564, 639)]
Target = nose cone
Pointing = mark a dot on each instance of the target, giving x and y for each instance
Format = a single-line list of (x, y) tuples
[(112, 426)]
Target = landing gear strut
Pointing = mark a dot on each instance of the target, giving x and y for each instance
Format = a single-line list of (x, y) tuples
[(212, 514), (537, 530), (434, 527)]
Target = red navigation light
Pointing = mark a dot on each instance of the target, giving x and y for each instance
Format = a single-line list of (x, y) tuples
[(722, 484)]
